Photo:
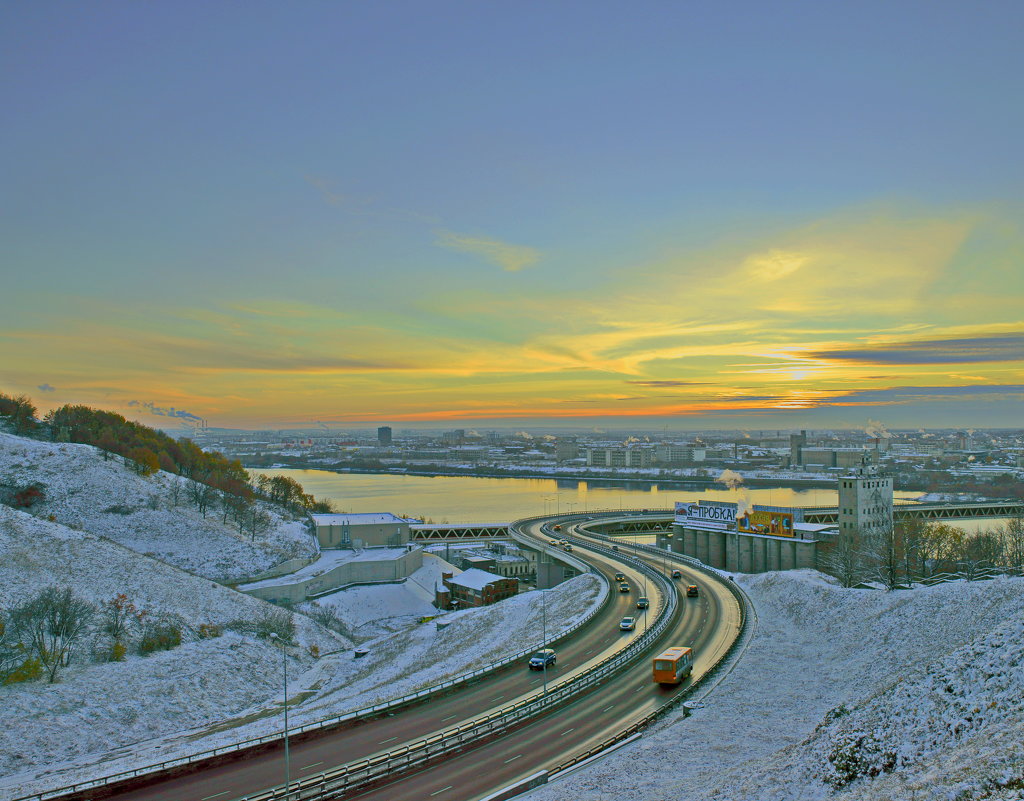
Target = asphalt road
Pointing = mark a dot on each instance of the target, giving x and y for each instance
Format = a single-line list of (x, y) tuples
[(708, 624), (583, 721)]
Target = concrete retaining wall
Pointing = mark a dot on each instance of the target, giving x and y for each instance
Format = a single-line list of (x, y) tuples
[(363, 571), (743, 553)]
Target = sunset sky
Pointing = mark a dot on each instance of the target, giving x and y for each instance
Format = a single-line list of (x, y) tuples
[(631, 215)]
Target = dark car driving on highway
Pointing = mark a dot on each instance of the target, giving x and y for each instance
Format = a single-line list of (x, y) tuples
[(543, 658)]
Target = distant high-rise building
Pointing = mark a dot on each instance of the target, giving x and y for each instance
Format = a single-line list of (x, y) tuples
[(456, 437), (384, 435), (566, 448), (619, 457), (797, 442)]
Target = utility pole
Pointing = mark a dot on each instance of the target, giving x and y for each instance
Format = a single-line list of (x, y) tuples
[(287, 758)]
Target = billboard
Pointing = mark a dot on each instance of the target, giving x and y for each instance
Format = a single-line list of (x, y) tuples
[(710, 514), (759, 521)]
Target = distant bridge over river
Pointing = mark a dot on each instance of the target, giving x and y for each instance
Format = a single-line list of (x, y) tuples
[(642, 521), (928, 511)]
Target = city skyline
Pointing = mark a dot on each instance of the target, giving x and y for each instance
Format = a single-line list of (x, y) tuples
[(692, 218)]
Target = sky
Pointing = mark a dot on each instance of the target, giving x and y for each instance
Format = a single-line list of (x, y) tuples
[(683, 215)]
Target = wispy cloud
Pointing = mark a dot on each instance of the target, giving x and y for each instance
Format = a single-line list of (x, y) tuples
[(934, 351), (902, 395), (670, 383), (507, 256)]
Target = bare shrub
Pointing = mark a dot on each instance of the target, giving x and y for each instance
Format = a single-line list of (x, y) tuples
[(51, 625)]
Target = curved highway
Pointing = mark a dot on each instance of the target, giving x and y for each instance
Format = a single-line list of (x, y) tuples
[(708, 624)]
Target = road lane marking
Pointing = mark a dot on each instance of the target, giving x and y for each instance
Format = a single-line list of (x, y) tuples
[(449, 717), (388, 740), (566, 732), (311, 766), (215, 795), (607, 708), (638, 689), (498, 698), (438, 792), (513, 758)]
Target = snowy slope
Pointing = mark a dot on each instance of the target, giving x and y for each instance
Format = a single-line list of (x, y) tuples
[(85, 491), (112, 704), (207, 693), (908, 668)]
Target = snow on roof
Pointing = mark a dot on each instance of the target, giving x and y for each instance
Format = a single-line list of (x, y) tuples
[(475, 579), (367, 519)]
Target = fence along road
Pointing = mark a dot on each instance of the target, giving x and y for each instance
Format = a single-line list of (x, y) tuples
[(596, 641)]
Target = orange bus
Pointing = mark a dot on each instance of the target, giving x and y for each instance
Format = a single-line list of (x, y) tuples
[(673, 665)]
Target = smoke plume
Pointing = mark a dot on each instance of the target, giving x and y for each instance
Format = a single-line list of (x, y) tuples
[(875, 428), (152, 408)]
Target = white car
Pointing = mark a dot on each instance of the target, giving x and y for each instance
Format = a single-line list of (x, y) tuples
[(627, 624)]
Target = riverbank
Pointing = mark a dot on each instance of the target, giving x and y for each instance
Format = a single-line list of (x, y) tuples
[(601, 477)]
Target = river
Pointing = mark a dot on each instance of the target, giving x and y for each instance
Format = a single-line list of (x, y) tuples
[(467, 499)]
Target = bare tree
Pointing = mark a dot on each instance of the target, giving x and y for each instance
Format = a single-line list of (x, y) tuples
[(845, 559), (176, 487), (984, 549), (257, 521), (1013, 542), (200, 494), (51, 624), (12, 650), (913, 534), (884, 555)]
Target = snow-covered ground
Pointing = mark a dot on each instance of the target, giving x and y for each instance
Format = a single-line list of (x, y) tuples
[(88, 492), (926, 686), (924, 689), (373, 611), (213, 692), (111, 704)]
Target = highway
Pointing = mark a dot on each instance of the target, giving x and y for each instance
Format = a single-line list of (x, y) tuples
[(708, 624)]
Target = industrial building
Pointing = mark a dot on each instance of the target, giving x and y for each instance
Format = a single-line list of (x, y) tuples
[(619, 457), (377, 530)]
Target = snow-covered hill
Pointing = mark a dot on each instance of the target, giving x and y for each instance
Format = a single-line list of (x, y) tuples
[(87, 491), (211, 692), (109, 704), (925, 687)]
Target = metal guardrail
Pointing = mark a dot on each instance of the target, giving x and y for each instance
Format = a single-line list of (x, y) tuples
[(329, 784), (364, 713), (979, 574), (709, 674)]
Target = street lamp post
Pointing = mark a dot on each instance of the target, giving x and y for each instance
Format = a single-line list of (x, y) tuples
[(668, 548), (287, 757), (544, 643)]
